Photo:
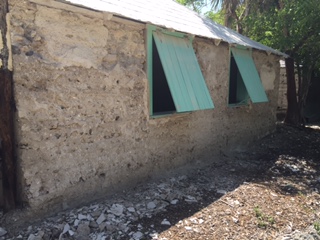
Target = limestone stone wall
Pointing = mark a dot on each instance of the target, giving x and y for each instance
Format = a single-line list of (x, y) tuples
[(83, 124)]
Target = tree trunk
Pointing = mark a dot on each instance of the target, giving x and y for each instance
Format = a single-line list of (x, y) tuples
[(7, 137), (239, 28), (304, 89), (293, 115), (7, 109), (228, 20)]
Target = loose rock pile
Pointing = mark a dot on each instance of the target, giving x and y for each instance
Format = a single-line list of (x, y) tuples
[(125, 217), (119, 218)]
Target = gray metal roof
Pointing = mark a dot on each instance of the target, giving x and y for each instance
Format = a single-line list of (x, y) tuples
[(172, 15)]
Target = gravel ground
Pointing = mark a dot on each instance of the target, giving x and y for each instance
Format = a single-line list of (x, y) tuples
[(270, 191)]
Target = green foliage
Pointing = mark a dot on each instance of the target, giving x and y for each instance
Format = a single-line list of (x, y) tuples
[(217, 17), (316, 226), (257, 212), (292, 27), (195, 5), (287, 25), (263, 220)]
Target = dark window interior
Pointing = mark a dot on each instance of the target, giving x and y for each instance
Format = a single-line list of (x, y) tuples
[(162, 99), (237, 90)]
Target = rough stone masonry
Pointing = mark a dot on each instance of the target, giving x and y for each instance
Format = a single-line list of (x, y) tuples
[(83, 126)]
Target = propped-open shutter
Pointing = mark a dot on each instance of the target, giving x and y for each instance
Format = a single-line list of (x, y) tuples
[(249, 75), (187, 85)]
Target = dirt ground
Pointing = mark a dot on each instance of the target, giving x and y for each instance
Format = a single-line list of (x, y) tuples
[(268, 191), (277, 197)]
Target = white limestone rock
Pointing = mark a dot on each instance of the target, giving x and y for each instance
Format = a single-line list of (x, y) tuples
[(165, 222), (151, 205), (117, 209), (101, 218), (2, 232), (137, 235)]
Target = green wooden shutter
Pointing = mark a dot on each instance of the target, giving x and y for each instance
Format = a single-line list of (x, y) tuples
[(187, 85), (249, 75)]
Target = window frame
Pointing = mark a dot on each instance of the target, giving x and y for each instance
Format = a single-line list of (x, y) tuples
[(153, 34), (242, 57)]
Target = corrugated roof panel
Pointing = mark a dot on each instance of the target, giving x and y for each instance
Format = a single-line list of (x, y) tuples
[(172, 15)]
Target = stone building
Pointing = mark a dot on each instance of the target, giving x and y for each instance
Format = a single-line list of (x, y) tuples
[(109, 93)]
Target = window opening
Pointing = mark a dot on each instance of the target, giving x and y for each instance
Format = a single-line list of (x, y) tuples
[(238, 93), (162, 99)]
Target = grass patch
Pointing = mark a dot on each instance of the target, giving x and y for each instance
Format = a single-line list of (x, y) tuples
[(263, 220), (316, 226)]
